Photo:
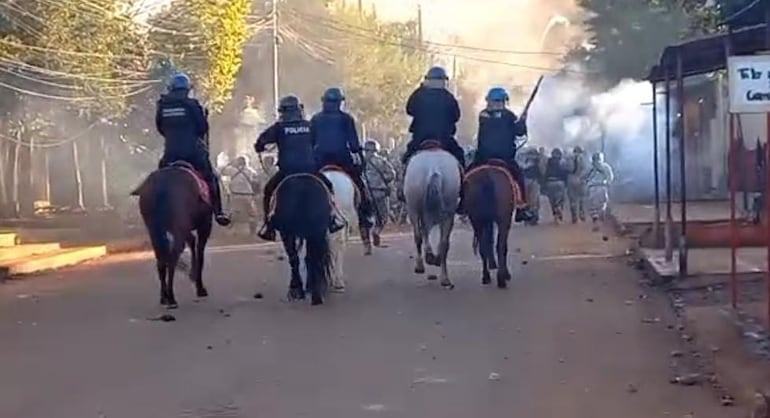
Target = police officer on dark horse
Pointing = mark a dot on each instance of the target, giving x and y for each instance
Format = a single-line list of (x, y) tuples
[(336, 142), (292, 136), (182, 122)]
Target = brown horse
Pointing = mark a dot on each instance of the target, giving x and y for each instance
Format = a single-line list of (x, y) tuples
[(491, 196), (175, 203)]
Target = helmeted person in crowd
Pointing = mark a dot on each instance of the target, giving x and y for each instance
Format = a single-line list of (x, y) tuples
[(380, 174), (291, 134), (533, 172), (576, 191), (556, 184), (243, 183), (598, 180), (498, 130), (336, 143), (435, 113), (183, 123)]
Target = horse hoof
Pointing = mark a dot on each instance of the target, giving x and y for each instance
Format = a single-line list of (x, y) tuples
[(432, 277), (419, 269), (502, 284), (202, 293), (448, 285), (316, 300), (338, 289), (486, 280), (296, 294)]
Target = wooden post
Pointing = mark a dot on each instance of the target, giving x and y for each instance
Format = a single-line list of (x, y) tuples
[(105, 195)]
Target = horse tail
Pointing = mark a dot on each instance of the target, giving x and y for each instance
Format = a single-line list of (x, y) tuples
[(434, 203), (320, 252), (486, 215)]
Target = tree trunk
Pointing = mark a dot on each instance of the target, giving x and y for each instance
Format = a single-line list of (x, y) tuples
[(16, 153), (78, 179), (48, 176), (105, 197)]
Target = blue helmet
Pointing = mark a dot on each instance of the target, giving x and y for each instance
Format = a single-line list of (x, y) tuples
[(179, 81), (333, 94), (436, 73), (497, 94)]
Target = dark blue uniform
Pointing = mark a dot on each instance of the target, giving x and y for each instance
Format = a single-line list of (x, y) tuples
[(182, 123), (435, 113), (498, 129), (335, 137)]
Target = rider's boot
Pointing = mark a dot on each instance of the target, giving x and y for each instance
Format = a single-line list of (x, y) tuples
[(219, 216), (267, 232)]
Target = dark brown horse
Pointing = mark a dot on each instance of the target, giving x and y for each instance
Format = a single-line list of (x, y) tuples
[(176, 210), (491, 196)]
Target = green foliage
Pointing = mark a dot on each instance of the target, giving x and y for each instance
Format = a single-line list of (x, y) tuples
[(380, 68), (205, 38), (628, 36)]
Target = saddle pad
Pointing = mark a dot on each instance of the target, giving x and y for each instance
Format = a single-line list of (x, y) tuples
[(339, 169), (274, 199), (203, 187), (518, 196)]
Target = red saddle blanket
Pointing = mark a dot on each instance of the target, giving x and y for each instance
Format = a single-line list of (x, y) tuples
[(502, 167)]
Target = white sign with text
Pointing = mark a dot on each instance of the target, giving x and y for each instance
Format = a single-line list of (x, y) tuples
[(749, 81)]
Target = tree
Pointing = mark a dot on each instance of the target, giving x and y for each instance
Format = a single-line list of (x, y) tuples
[(206, 39), (381, 63)]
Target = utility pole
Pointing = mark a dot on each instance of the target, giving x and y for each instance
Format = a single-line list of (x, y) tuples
[(454, 75), (360, 6), (275, 57)]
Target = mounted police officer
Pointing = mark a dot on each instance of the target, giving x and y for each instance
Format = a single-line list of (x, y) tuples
[(182, 122), (336, 141), (379, 175), (498, 130), (292, 135), (435, 113)]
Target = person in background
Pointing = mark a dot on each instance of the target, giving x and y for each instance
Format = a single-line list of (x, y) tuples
[(380, 174), (598, 180), (243, 183), (576, 191), (533, 172), (183, 123), (556, 184)]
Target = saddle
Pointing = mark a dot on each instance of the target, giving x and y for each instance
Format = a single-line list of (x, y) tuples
[(274, 199), (434, 145), (338, 169), (203, 187), (502, 167)]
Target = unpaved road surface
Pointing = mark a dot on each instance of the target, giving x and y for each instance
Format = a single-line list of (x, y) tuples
[(569, 338)]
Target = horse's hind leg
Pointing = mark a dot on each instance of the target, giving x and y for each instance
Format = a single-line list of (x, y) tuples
[(290, 244), (203, 233), (317, 257), (503, 275), (419, 265), (338, 243), (176, 250), (443, 250), (430, 257)]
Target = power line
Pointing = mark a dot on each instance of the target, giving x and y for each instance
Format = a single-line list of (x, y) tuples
[(432, 43), (379, 39)]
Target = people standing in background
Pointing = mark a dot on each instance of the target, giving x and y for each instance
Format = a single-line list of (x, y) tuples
[(379, 174), (242, 182), (576, 191), (533, 171), (598, 181), (556, 184)]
